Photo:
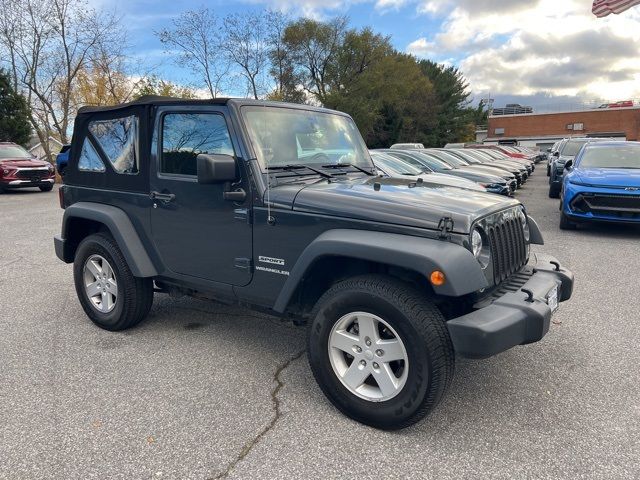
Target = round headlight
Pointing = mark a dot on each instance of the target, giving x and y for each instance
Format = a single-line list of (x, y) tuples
[(480, 248), (476, 243), (525, 224)]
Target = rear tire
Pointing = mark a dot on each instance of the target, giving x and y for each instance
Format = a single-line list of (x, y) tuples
[(119, 299), (554, 191), (419, 380), (46, 188)]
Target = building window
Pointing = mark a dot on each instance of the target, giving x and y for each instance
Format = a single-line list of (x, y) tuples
[(90, 161), (118, 138), (499, 131), (186, 135), (578, 126)]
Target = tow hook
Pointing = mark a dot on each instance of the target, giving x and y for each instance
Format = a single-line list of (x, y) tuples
[(529, 295)]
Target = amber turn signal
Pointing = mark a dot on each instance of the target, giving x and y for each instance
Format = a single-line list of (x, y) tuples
[(437, 278)]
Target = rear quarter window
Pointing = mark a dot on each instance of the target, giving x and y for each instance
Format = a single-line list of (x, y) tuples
[(118, 140)]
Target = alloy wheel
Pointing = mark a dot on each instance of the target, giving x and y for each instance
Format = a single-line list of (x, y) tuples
[(368, 356), (100, 284)]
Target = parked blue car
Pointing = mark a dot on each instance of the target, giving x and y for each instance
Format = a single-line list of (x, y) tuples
[(62, 159), (602, 184)]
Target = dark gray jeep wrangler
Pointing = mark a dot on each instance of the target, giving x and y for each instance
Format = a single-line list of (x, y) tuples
[(278, 207)]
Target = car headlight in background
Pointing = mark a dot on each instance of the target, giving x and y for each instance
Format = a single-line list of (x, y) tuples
[(480, 248)]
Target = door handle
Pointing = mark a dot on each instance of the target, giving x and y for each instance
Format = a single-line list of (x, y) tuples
[(163, 197)]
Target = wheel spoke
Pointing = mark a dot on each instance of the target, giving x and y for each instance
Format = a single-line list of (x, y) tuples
[(385, 379), (355, 375), (392, 350), (104, 305), (106, 269), (92, 289), (368, 327), (344, 341), (94, 268)]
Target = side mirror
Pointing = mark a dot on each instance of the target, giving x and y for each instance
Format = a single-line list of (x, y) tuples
[(216, 168), (556, 154), (568, 165), (548, 150)]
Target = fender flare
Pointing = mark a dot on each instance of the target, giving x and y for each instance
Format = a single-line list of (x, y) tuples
[(120, 227), (423, 255)]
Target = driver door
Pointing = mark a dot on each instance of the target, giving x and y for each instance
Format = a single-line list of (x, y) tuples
[(196, 231)]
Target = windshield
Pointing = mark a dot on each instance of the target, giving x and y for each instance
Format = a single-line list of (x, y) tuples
[(448, 158), (287, 136), (422, 164), (434, 163), (395, 166), (572, 147), (611, 157), (13, 151)]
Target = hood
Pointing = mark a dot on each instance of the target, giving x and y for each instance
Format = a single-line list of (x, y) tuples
[(477, 176), (23, 162), (398, 201), (450, 180), (607, 177)]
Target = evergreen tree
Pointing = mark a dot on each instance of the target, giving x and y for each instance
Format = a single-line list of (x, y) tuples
[(14, 113)]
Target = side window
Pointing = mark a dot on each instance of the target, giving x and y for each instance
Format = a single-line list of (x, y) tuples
[(186, 135), (90, 161), (118, 139)]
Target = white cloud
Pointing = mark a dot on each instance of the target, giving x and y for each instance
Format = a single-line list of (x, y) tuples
[(422, 48), (546, 46)]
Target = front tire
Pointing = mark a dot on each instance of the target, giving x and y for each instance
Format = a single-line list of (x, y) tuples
[(380, 351), (109, 293), (566, 223)]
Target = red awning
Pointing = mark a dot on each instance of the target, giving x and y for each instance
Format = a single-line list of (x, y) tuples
[(602, 8)]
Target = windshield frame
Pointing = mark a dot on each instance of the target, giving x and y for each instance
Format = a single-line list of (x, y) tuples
[(364, 161)]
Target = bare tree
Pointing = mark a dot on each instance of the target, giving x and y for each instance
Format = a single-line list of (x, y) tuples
[(280, 65), (246, 44), (195, 36), (48, 43)]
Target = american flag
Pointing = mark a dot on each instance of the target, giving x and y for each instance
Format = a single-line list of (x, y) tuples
[(602, 8)]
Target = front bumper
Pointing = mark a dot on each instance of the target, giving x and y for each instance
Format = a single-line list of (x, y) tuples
[(580, 203), (8, 184), (518, 317)]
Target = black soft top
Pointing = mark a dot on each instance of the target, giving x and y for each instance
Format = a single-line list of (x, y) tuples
[(157, 100)]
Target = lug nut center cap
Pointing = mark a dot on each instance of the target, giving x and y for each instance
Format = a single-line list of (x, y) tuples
[(368, 354)]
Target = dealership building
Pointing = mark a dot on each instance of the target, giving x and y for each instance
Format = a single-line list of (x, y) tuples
[(544, 129)]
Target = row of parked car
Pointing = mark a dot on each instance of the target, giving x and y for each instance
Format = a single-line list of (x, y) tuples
[(495, 169), (596, 179)]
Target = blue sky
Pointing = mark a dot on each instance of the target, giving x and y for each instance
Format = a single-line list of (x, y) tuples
[(535, 51)]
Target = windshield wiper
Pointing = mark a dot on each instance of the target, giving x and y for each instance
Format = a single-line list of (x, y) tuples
[(342, 165), (297, 166)]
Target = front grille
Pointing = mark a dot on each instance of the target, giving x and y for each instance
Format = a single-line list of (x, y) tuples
[(508, 247), (32, 175), (612, 203)]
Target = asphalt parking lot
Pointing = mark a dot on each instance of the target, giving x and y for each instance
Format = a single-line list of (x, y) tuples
[(201, 390)]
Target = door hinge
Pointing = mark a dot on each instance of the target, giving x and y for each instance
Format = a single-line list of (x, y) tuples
[(242, 214), (243, 263), (445, 226)]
